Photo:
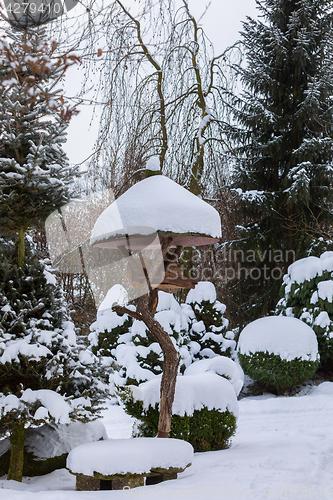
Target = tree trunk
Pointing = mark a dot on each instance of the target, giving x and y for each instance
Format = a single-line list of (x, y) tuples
[(15, 471), (20, 251), (171, 359), (145, 312)]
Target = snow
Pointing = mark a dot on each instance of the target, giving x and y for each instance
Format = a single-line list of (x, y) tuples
[(157, 204), (106, 320), (52, 402), (153, 164), (193, 392), (122, 456), (10, 350), (221, 365), (52, 406), (166, 302), (204, 290), (325, 290), (203, 124), (282, 449), (116, 295), (308, 268), (322, 319), (287, 337), (47, 442), (50, 278)]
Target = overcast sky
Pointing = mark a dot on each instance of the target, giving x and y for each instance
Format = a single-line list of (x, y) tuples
[(222, 23)]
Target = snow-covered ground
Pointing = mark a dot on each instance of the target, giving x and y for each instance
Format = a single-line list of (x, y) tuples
[(283, 448)]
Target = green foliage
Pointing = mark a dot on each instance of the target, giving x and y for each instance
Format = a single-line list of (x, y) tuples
[(108, 339), (153, 360), (206, 430), (213, 339), (275, 373), (303, 302), (35, 175), (283, 175), (33, 312)]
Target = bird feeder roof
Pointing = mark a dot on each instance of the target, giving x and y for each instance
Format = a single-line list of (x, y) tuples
[(158, 205)]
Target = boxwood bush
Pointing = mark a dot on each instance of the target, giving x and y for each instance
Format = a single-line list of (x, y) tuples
[(206, 430), (275, 373)]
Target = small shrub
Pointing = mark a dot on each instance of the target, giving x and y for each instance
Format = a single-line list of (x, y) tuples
[(209, 333), (278, 351), (206, 430), (309, 302), (273, 372)]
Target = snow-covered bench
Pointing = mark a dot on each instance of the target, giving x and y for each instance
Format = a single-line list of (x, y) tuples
[(117, 463)]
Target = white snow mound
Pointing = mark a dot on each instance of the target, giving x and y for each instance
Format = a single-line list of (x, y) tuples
[(308, 268), (122, 456), (192, 393), (287, 337), (221, 365), (47, 441), (153, 164), (204, 290), (116, 295), (160, 204)]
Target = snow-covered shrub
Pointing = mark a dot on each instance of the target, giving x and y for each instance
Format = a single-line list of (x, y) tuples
[(279, 352), (221, 365), (204, 411), (307, 294), (107, 330), (209, 334), (198, 328), (133, 347)]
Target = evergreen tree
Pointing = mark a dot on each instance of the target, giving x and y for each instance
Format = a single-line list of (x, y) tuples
[(198, 329), (34, 171), (284, 146), (133, 348), (44, 375), (38, 351), (209, 335)]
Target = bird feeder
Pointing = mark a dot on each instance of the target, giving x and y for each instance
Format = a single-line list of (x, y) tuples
[(157, 212)]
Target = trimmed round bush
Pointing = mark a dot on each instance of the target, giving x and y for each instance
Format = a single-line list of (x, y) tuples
[(279, 352), (206, 419)]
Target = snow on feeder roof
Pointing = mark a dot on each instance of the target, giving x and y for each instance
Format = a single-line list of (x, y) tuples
[(157, 205)]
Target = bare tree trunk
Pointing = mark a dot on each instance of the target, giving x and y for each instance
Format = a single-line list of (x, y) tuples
[(171, 359), (21, 249), (15, 471)]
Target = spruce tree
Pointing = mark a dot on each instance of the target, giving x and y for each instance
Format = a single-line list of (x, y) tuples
[(133, 347), (44, 374), (283, 174), (38, 352), (35, 174), (208, 333)]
